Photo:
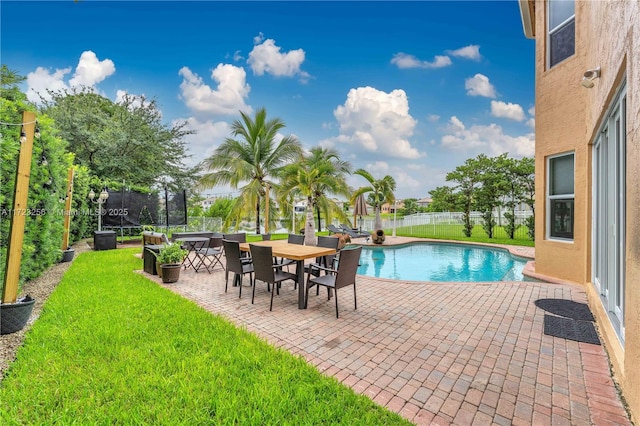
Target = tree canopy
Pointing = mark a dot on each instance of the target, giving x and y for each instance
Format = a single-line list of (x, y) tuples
[(125, 140)]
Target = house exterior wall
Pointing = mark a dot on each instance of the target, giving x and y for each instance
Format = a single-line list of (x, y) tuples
[(568, 118)]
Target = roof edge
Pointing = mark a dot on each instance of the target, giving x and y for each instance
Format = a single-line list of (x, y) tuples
[(527, 13)]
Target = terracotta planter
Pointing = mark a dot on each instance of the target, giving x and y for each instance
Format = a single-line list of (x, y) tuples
[(170, 272), (378, 236), (14, 316)]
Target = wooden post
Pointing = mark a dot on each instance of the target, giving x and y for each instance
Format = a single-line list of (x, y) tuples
[(19, 213), (67, 210)]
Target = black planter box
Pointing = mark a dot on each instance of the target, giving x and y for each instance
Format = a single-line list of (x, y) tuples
[(150, 259), (104, 240)]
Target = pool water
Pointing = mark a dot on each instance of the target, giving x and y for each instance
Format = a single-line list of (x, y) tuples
[(440, 262)]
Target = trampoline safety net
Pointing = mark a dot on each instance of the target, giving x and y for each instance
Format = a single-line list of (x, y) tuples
[(130, 209)]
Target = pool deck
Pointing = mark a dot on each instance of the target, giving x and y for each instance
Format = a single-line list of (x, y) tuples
[(436, 353)]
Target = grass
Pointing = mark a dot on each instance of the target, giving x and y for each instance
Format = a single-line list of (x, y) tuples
[(112, 347)]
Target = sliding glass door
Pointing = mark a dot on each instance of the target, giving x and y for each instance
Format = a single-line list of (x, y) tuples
[(609, 212)]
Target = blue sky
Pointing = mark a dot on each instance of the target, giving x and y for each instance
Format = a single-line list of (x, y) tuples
[(408, 89)]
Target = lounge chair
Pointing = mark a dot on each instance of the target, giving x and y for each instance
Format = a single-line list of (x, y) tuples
[(334, 229), (355, 233)]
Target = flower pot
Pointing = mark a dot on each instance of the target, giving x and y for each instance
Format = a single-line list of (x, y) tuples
[(67, 255), (378, 236), (170, 272), (14, 316)]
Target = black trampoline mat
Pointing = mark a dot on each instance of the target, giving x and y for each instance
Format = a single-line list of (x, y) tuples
[(571, 329)]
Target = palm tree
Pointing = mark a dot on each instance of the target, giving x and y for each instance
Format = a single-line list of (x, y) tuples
[(251, 156), (380, 191), (316, 176)]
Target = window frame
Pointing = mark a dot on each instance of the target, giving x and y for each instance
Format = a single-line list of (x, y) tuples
[(551, 199), (558, 28)]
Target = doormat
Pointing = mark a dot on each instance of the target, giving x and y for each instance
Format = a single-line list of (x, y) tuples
[(566, 308), (571, 329)]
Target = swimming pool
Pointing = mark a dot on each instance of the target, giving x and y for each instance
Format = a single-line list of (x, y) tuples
[(440, 262)]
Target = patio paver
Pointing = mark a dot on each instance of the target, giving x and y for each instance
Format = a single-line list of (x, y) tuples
[(436, 353)]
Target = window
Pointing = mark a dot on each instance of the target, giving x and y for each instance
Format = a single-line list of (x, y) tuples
[(561, 41), (560, 198)]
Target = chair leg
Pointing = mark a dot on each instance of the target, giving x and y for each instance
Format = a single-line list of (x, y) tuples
[(273, 287), (306, 295), (336, 297), (240, 285), (253, 294), (355, 300)]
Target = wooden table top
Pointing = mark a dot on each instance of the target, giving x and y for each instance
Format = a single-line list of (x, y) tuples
[(281, 248)]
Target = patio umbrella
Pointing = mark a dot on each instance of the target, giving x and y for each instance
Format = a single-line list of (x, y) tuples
[(360, 208)]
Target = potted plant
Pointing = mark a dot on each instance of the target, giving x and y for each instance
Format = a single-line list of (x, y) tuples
[(170, 259)]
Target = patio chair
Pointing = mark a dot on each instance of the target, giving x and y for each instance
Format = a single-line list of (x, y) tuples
[(240, 237), (343, 276), (268, 272), (212, 254), (235, 265), (327, 262)]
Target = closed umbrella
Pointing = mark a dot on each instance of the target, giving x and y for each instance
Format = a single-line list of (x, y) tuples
[(359, 209)]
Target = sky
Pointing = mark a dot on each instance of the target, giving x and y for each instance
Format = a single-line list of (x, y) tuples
[(406, 89)]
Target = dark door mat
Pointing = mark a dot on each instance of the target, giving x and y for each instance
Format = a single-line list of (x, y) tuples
[(571, 329), (566, 308)]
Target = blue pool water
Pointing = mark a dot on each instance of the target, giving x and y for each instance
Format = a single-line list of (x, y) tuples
[(440, 262)]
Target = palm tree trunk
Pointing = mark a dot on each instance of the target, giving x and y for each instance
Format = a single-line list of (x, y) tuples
[(378, 223), (309, 227), (319, 222), (258, 217)]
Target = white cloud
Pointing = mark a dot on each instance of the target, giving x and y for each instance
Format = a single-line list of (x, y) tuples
[(404, 60), (507, 110), (489, 139), (229, 96), (266, 58), (532, 121), (479, 85), (376, 121), (208, 136), (468, 52), (91, 71), (433, 118), (39, 81)]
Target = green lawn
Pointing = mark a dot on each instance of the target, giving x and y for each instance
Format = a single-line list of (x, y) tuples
[(112, 347)]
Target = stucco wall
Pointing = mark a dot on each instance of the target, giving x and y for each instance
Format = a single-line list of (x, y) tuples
[(568, 116)]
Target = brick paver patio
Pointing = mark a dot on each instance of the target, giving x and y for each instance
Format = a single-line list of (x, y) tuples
[(436, 353)]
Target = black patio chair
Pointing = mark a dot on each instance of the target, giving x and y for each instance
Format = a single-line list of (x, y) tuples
[(344, 275), (235, 265), (268, 272)]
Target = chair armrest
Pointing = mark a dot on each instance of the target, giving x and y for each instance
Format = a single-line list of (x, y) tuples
[(322, 268)]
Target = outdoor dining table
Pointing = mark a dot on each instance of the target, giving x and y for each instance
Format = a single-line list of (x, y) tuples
[(193, 245), (297, 252)]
